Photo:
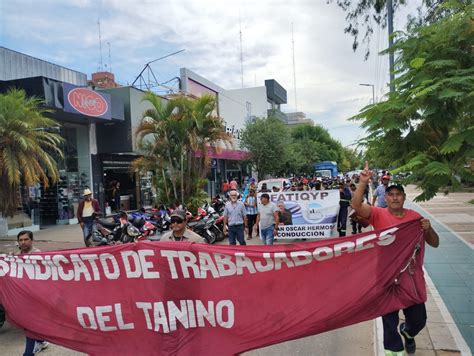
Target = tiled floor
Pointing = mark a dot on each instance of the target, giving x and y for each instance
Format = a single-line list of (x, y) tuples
[(451, 267)]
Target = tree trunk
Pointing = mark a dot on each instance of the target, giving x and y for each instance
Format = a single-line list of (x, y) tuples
[(172, 177), (182, 177), (166, 185)]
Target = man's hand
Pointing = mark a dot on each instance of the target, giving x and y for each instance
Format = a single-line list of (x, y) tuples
[(365, 174), (431, 237), (425, 224), (82, 225)]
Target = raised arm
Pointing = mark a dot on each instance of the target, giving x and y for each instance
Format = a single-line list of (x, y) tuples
[(362, 209)]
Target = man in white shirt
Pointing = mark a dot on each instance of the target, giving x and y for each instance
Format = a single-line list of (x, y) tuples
[(267, 219)]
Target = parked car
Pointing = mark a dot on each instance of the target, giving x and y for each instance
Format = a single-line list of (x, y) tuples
[(274, 182)]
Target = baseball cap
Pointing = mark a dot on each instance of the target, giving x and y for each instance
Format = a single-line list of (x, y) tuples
[(179, 213), (395, 186)]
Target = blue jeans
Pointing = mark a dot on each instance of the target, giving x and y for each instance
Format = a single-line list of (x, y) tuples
[(267, 235), (30, 346), (88, 228), (236, 232)]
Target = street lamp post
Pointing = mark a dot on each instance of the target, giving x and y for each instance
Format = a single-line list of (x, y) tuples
[(373, 91)]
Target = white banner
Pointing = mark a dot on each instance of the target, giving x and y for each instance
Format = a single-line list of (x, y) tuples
[(308, 214)]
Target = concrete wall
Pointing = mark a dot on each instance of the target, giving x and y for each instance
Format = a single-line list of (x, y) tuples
[(239, 105)]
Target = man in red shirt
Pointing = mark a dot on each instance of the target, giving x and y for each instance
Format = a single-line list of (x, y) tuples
[(380, 218)]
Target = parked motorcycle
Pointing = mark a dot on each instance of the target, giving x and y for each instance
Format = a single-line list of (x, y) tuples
[(203, 227), (107, 232), (218, 225)]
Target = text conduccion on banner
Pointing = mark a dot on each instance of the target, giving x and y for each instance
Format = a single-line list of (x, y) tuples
[(308, 214)]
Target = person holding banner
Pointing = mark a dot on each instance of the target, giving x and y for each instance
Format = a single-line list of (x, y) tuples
[(267, 219), (25, 244), (380, 218)]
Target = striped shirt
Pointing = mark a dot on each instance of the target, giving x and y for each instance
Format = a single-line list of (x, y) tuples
[(235, 213), (250, 201)]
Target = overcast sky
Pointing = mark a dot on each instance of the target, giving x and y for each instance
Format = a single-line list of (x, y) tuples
[(328, 72)]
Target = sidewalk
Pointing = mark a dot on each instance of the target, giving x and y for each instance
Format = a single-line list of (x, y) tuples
[(450, 270)]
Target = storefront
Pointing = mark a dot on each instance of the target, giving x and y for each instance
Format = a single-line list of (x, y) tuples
[(116, 151), (78, 110)]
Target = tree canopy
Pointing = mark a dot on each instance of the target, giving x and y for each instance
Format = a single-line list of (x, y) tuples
[(276, 149), (267, 141), (426, 126)]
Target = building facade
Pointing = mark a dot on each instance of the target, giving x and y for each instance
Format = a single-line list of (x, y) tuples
[(78, 111), (236, 107)]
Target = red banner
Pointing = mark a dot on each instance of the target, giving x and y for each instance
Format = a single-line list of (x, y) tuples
[(175, 298)]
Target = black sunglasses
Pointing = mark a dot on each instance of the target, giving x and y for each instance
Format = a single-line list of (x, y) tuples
[(176, 221)]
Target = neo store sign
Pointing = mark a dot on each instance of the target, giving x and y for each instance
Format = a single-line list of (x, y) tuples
[(86, 101)]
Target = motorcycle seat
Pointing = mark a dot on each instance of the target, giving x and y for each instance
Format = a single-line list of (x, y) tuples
[(108, 223), (194, 223)]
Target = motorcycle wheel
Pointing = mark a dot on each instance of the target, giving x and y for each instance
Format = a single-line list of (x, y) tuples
[(211, 236), (219, 233)]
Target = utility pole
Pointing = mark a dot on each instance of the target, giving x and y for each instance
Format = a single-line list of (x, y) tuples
[(294, 65), (110, 59), (241, 53), (390, 43), (101, 63)]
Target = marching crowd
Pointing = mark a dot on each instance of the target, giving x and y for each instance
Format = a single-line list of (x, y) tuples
[(384, 208)]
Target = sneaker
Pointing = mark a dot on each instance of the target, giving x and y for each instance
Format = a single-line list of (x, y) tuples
[(40, 346), (410, 344)]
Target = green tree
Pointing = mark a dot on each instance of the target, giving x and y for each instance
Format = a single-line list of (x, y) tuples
[(175, 137), (27, 148), (312, 144), (362, 15), (267, 141), (426, 126)]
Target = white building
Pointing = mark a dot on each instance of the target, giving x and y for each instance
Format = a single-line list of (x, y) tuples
[(236, 107)]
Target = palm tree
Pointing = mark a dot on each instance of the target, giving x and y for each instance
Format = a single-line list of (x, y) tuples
[(209, 132), (27, 149), (171, 135)]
